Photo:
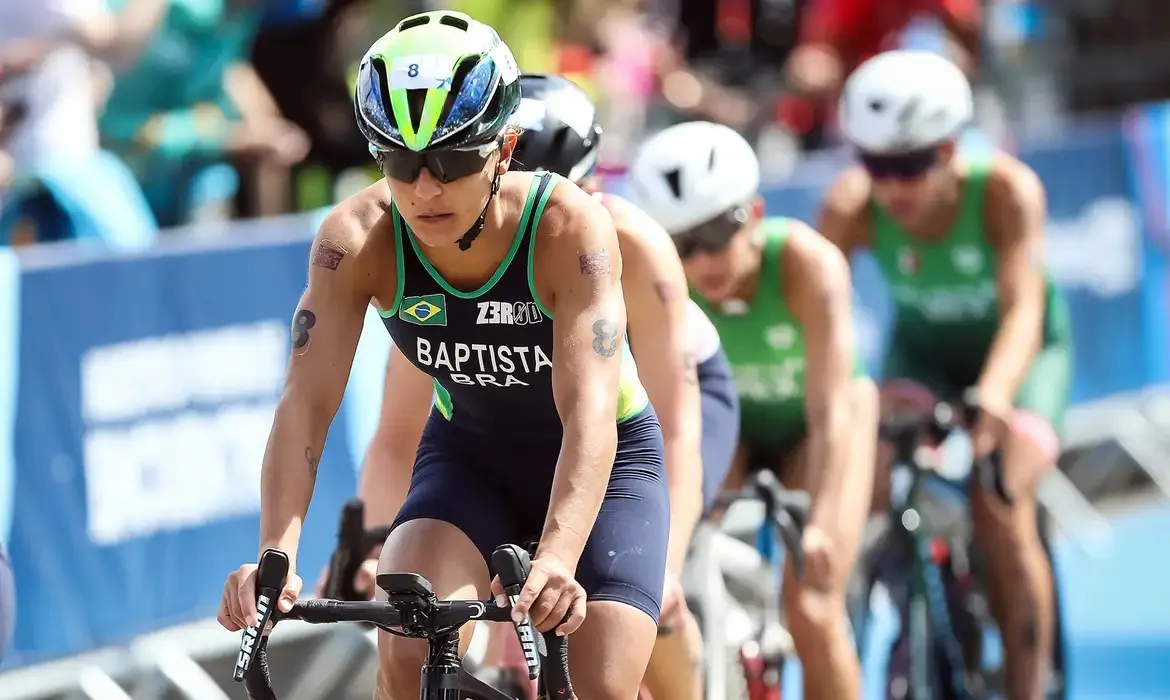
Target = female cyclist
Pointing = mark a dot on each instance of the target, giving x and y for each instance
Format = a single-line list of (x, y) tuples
[(780, 296), (958, 240), (679, 360), (504, 288)]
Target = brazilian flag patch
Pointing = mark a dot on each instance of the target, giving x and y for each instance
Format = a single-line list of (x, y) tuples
[(427, 310)]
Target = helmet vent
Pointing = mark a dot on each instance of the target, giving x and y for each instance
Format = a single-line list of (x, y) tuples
[(379, 67), (674, 180), (461, 72), (711, 160), (413, 22), (452, 21), (877, 105), (415, 99)]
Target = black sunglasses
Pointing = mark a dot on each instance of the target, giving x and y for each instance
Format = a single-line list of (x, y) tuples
[(901, 166), (447, 165), (712, 235)]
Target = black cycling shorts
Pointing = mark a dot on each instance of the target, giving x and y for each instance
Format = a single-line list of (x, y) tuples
[(720, 404), (496, 491)]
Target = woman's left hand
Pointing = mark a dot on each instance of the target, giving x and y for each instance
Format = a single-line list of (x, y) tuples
[(551, 596)]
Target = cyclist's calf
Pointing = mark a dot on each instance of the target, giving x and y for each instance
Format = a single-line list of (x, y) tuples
[(1019, 575)]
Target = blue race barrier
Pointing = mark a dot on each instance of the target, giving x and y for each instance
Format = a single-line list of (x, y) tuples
[(147, 390)]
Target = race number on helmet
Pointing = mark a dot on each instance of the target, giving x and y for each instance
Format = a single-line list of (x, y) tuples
[(901, 101), (691, 173), (437, 80)]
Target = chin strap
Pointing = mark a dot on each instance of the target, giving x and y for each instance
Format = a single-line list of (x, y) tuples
[(472, 233)]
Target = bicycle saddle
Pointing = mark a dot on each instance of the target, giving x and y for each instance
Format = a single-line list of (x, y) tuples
[(405, 585)]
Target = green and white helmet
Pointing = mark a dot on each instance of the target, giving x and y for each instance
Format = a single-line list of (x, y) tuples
[(437, 80)]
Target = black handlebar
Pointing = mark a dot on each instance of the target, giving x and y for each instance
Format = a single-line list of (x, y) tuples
[(905, 435), (411, 610), (786, 510)]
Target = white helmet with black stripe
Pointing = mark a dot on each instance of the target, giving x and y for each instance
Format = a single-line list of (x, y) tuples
[(691, 173), (902, 101)]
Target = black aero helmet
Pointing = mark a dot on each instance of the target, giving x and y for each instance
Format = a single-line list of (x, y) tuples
[(559, 127)]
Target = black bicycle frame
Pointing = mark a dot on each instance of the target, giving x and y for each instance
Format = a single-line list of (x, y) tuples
[(926, 581)]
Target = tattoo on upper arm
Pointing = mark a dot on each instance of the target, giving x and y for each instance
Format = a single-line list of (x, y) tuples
[(302, 322), (690, 368), (666, 291), (605, 338), (327, 255), (313, 462), (594, 264)]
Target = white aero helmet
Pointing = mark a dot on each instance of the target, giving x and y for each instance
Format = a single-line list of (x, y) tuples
[(902, 101), (690, 173)]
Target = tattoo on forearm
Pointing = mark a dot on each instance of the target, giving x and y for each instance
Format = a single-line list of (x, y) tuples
[(605, 338), (327, 255), (666, 291), (302, 322), (594, 264), (690, 368), (313, 462)]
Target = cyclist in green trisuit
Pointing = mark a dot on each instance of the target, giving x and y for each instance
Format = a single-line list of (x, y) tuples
[(958, 240), (780, 296)]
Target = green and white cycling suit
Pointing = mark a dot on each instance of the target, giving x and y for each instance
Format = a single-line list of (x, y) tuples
[(765, 345), (946, 308)]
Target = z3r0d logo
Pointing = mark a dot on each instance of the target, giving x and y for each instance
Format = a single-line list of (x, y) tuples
[(506, 313)]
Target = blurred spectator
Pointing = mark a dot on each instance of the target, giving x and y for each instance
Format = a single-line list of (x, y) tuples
[(53, 79), (838, 35), (300, 55), (192, 105)]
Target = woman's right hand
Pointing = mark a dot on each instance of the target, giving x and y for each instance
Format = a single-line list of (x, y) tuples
[(237, 607), (363, 580)]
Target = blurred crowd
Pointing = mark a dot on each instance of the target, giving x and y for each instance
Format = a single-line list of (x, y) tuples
[(123, 117)]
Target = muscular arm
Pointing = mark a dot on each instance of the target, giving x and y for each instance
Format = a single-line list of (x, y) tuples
[(655, 290), (820, 293), (326, 327), (386, 470), (583, 266), (1016, 214)]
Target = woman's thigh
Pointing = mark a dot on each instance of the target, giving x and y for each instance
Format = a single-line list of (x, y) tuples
[(451, 521)]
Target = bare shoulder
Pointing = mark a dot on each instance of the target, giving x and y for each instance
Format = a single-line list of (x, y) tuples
[(574, 219), (810, 256), (1012, 183), (811, 263), (844, 212), (355, 235), (639, 235)]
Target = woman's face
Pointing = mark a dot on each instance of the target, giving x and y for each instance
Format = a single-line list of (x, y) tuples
[(438, 213), (907, 185), (718, 272)]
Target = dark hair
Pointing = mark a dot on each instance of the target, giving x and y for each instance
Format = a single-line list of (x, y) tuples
[(552, 124)]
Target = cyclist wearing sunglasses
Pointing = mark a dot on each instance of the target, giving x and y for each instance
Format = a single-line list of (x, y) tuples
[(780, 296), (502, 291), (958, 240), (680, 362)]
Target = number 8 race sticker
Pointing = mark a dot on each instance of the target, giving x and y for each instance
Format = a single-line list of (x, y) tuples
[(421, 72)]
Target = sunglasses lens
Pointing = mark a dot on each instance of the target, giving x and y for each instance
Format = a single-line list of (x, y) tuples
[(711, 236), (904, 166), (449, 166), (401, 165)]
